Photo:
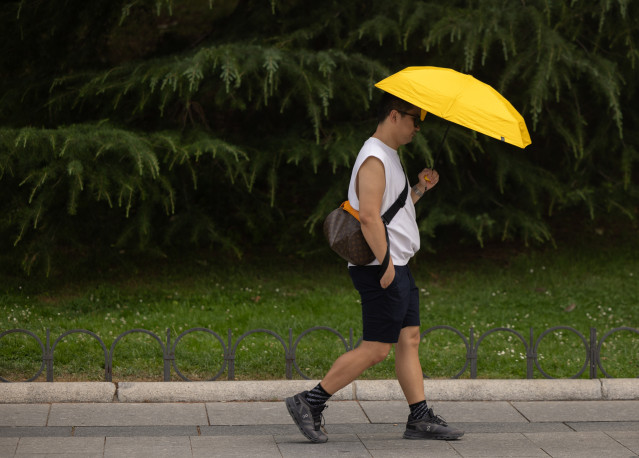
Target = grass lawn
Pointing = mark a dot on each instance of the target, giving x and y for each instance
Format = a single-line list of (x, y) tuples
[(590, 281)]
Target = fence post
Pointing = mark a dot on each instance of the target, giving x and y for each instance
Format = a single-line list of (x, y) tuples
[(531, 356), (592, 353), (48, 357), (472, 355), (289, 355), (108, 369), (168, 356), (230, 356)]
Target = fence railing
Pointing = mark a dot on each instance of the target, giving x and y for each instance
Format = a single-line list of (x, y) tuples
[(591, 347)]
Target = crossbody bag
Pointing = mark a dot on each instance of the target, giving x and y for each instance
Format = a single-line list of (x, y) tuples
[(343, 232)]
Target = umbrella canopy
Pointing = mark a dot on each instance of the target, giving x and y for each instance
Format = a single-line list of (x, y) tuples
[(459, 98)]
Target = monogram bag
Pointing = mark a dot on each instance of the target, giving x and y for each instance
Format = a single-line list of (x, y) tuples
[(343, 232)]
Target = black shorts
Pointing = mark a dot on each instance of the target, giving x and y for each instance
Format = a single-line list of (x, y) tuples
[(385, 312)]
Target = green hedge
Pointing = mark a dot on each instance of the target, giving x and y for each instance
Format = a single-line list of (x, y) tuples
[(233, 124)]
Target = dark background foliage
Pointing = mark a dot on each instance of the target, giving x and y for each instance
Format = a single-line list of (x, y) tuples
[(166, 126)]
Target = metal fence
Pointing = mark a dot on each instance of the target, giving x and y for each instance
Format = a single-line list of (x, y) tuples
[(592, 345)]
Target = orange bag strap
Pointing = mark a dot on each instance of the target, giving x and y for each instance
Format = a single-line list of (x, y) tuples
[(346, 206)]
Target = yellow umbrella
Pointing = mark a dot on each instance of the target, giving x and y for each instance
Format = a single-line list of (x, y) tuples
[(459, 98)]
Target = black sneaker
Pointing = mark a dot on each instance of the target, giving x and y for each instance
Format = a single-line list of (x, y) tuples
[(430, 427), (307, 418)]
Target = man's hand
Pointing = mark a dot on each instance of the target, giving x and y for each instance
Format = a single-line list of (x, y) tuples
[(388, 276), (428, 178)]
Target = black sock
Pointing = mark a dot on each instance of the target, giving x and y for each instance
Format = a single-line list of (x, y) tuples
[(317, 396), (418, 410)]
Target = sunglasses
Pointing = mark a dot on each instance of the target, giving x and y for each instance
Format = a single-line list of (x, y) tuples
[(416, 119)]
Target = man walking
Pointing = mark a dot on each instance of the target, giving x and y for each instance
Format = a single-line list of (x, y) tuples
[(390, 300)]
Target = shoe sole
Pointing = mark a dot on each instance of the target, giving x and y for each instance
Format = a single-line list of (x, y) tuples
[(290, 405), (445, 437)]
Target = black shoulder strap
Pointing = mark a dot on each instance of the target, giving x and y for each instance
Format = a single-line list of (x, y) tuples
[(387, 218)]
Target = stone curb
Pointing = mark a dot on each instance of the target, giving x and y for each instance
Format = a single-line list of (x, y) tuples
[(218, 391), (33, 393), (361, 390)]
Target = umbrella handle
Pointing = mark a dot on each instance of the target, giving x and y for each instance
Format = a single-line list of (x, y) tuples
[(441, 146)]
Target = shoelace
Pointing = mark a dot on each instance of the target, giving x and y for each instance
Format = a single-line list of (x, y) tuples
[(318, 417), (436, 418)]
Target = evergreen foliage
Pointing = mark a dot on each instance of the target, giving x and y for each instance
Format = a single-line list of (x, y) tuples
[(234, 123)]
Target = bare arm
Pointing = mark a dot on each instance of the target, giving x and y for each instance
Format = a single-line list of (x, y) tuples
[(371, 182)]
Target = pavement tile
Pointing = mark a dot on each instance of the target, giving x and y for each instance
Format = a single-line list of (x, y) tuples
[(36, 431), (229, 447), (513, 427), (334, 447), (453, 412), (497, 445), (61, 446), (24, 414), (291, 430), (593, 444), (143, 447), (629, 439), (366, 428), (395, 412), (273, 413), (127, 414), (248, 413), (393, 445), (579, 411), (344, 412), (478, 412), (127, 431), (425, 453), (248, 430), (299, 438), (605, 426), (8, 445)]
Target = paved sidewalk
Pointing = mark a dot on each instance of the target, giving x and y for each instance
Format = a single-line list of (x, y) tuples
[(356, 428)]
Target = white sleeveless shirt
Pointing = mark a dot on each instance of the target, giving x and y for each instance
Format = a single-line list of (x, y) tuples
[(402, 231)]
